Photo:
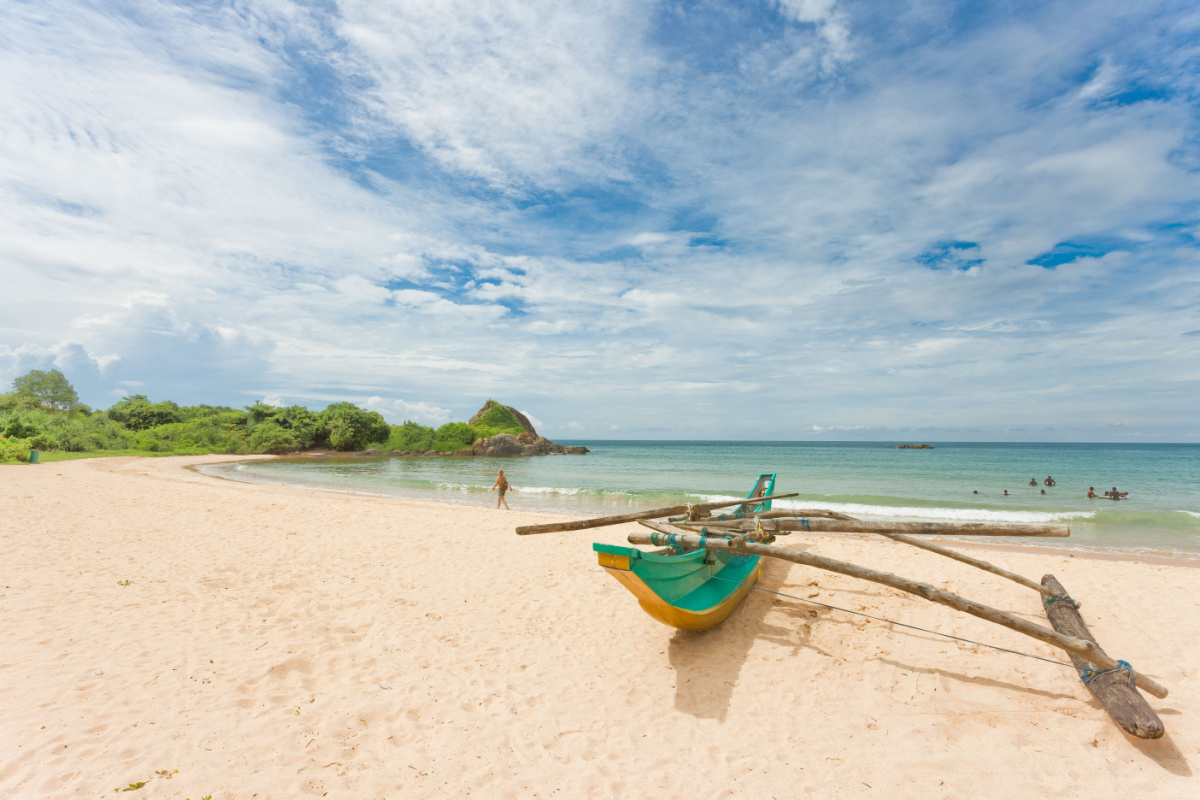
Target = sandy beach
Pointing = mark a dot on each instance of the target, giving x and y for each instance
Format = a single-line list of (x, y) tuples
[(208, 637)]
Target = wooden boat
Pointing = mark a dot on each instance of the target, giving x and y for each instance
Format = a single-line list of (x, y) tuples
[(694, 591), (705, 566)]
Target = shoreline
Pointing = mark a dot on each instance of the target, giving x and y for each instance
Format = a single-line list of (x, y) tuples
[(999, 546)]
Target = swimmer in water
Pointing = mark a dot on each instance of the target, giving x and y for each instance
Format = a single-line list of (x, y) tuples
[(1091, 493), (1049, 481), (1006, 492), (1033, 481)]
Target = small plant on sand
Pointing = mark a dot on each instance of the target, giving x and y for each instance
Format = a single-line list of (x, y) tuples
[(133, 787), (124, 583)]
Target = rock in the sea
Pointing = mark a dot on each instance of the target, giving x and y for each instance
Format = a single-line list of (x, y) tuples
[(466, 451), (502, 445)]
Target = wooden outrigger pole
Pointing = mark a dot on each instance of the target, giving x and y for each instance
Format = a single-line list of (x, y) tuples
[(1084, 649), (600, 522)]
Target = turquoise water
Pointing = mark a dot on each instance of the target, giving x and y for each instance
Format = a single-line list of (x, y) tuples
[(867, 479)]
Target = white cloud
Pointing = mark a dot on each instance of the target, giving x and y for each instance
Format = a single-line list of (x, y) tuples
[(396, 411)]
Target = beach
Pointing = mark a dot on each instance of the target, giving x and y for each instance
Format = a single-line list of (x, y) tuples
[(238, 640)]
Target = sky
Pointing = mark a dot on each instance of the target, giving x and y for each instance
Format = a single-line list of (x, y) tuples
[(766, 219)]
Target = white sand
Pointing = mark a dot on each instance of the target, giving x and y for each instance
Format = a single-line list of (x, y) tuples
[(261, 625)]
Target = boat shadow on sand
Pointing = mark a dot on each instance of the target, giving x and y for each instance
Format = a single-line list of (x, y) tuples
[(707, 663)]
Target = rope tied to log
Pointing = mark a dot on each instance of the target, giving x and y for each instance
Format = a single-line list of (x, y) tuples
[(1090, 674), (759, 535), (1059, 598), (668, 540)]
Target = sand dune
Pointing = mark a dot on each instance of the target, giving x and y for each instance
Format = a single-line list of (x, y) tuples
[(280, 643)]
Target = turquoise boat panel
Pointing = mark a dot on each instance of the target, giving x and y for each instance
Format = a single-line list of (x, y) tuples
[(686, 581)]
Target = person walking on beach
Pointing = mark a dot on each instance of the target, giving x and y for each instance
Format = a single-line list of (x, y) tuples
[(501, 486)]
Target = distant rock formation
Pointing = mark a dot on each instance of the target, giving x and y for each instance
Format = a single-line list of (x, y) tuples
[(505, 445), (914, 447), (521, 418)]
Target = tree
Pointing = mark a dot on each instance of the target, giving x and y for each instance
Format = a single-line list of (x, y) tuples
[(137, 413), (49, 390), (348, 427)]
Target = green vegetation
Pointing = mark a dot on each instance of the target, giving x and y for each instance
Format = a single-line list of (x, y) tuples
[(497, 419), (43, 413)]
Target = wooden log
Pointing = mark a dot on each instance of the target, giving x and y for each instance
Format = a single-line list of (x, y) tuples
[(974, 562), (1116, 694), (1081, 647), (599, 522), (918, 528), (778, 514)]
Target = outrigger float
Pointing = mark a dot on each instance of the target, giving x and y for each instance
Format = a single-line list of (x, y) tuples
[(705, 566)]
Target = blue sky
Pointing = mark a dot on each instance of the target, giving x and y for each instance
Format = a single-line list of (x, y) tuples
[(771, 219)]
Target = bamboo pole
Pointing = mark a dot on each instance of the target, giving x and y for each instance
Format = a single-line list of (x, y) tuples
[(860, 526), (974, 562), (1080, 647), (599, 522), (777, 514)]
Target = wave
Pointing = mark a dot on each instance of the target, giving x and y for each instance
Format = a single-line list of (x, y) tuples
[(925, 513)]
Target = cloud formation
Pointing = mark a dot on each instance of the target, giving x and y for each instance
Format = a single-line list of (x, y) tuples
[(781, 219)]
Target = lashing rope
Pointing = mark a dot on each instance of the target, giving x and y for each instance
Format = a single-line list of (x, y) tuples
[(1059, 598), (1090, 674)]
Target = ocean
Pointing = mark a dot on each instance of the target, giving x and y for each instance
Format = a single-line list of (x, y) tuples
[(872, 480)]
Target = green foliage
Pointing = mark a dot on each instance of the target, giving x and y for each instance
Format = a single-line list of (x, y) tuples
[(49, 390), (347, 427), (137, 413), (410, 436), (303, 425), (497, 419), (269, 437), (453, 436), (14, 451)]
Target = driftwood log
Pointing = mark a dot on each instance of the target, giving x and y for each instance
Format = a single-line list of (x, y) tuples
[(860, 526), (1071, 644), (1113, 689), (600, 522), (974, 562)]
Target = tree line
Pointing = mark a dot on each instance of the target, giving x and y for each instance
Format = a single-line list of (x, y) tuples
[(43, 412)]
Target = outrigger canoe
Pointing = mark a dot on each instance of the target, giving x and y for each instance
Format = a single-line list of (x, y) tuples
[(710, 563), (694, 591)]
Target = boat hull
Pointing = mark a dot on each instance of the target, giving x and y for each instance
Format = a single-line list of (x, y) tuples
[(692, 591)]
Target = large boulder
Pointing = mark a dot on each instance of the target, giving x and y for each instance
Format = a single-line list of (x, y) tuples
[(502, 445)]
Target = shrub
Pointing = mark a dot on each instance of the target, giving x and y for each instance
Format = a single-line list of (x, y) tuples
[(271, 438), (347, 427), (14, 451), (23, 424), (410, 436), (453, 436)]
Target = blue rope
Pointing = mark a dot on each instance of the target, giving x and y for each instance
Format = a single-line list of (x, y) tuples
[(1059, 598), (1090, 674)]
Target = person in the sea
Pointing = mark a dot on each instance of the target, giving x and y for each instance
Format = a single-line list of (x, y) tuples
[(1115, 495), (1006, 492), (1033, 481), (1091, 493), (1049, 481), (1043, 491), (501, 486)]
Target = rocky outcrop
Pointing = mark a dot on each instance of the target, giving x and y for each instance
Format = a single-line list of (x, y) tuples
[(505, 445)]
